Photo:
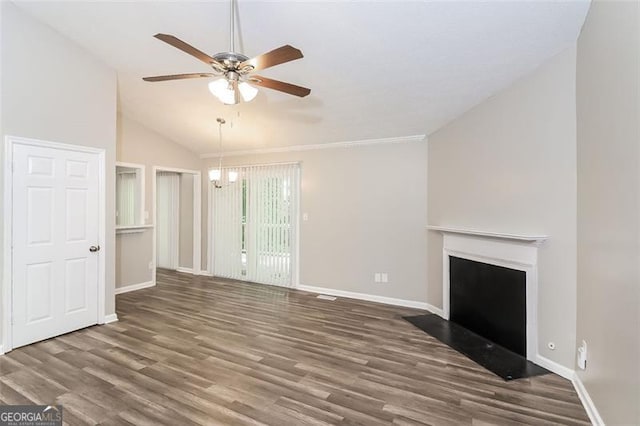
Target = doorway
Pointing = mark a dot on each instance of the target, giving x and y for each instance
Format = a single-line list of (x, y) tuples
[(177, 218), (54, 228)]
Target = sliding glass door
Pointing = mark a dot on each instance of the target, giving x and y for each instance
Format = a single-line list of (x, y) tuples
[(254, 224)]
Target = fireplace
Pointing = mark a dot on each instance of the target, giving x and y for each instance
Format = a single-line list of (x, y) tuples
[(490, 286), (489, 300)]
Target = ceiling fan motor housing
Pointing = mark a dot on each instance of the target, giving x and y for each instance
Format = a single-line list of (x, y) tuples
[(232, 61)]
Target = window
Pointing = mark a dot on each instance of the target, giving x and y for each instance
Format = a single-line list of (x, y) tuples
[(129, 195)]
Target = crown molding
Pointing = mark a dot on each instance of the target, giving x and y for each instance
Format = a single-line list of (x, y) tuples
[(312, 147)]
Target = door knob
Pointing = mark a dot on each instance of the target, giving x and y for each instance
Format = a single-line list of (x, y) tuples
[(94, 249)]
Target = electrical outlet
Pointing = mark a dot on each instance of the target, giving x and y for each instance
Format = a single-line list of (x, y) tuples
[(305, 217), (376, 277), (384, 277), (151, 264), (582, 356)]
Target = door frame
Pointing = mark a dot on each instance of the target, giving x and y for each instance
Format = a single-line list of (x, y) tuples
[(197, 216), (7, 236)]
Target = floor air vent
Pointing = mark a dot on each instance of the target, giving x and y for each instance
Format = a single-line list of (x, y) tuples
[(325, 297)]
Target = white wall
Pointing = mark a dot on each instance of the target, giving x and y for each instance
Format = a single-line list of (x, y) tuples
[(54, 90), (139, 144), (608, 112), (509, 165), (367, 209)]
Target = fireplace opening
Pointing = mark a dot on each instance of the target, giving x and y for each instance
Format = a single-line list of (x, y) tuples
[(489, 300)]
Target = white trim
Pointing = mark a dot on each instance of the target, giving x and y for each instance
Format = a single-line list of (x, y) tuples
[(197, 221), (1, 350), (554, 367), (371, 298), (587, 402), (502, 235), (7, 277), (311, 147), (209, 270), (102, 232), (110, 318), (522, 256), (184, 270), (295, 276), (205, 273), (197, 214), (176, 170), (134, 287), (132, 229)]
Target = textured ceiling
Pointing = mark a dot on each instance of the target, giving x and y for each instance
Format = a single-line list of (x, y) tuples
[(376, 69)]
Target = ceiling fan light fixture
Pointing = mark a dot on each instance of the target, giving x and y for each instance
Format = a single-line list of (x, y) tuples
[(223, 90), (247, 91)]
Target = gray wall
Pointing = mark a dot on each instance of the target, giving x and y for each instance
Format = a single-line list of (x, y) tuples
[(139, 144), (608, 95), (54, 90), (509, 165), (367, 209)]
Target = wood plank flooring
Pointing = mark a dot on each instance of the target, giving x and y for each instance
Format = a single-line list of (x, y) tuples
[(195, 350)]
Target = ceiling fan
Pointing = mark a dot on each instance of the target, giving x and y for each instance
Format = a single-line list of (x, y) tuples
[(235, 70)]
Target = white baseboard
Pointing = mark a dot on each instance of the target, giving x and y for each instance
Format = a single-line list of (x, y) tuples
[(110, 318), (586, 400), (554, 367), (439, 312), (184, 270), (1, 350), (371, 298), (134, 287), (205, 273)]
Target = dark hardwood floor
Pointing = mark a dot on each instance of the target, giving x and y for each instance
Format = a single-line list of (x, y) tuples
[(204, 351)]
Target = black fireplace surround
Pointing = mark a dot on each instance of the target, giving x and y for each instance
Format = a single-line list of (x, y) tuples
[(491, 301)]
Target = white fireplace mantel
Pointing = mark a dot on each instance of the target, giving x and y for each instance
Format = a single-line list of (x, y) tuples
[(519, 252), (538, 239)]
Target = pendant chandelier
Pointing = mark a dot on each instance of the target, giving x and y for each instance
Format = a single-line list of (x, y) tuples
[(215, 175)]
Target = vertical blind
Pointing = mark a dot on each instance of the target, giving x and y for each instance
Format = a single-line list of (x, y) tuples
[(168, 219), (126, 198), (254, 224)]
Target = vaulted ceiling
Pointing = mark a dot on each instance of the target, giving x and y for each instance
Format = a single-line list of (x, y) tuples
[(376, 69)]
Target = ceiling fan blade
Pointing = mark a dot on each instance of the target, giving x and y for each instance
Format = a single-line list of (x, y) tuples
[(187, 48), (275, 57), (178, 76), (281, 86)]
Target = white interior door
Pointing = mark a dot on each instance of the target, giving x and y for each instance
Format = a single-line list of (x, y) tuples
[(55, 224), (168, 218)]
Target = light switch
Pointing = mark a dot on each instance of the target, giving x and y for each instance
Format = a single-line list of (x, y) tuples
[(376, 277), (384, 277)]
